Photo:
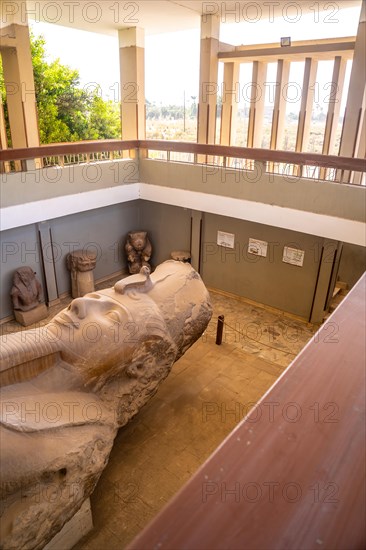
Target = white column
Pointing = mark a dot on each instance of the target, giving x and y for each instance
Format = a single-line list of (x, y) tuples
[(230, 100), (132, 68), (355, 102), (210, 28), (307, 100), (19, 82), (257, 97)]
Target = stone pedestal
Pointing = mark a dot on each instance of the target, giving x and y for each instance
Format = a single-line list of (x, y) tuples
[(34, 315), (81, 265), (74, 530)]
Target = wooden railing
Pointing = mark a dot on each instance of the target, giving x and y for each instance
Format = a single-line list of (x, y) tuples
[(308, 165)]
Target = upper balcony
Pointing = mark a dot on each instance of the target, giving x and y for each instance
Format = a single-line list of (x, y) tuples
[(303, 192)]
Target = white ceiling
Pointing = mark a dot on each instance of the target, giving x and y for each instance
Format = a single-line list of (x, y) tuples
[(107, 16)]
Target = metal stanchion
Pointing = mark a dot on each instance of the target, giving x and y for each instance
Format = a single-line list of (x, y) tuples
[(220, 328)]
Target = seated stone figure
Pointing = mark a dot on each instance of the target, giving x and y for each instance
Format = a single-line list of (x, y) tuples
[(26, 292), (68, 386), (138, 250)]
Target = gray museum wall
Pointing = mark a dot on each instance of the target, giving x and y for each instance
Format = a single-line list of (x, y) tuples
[(352, 264), (102, 230), (267, 280), (19, 247), (169, 228), (343, 201), (54, 181)]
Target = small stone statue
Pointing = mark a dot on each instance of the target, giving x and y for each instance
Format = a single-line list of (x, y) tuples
[(27, 290), (27, 296), (138, 249), (81, 264)]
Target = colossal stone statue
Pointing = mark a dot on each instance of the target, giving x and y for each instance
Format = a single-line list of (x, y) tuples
[(67, 387), (138, 250)]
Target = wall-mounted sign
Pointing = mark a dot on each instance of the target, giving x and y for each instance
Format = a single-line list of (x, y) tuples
[(259, 248), (293, 256), (225, 239)]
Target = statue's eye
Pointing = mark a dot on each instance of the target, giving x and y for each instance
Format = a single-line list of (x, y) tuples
[(114, 316)]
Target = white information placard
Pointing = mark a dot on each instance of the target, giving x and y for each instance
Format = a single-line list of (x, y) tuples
[(293, 256), (225, 239), (259, 248)]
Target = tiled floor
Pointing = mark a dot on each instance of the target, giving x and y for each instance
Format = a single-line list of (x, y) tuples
[(209, 390)]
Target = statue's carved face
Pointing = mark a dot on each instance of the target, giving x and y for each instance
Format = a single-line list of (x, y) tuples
[(138, 239), (103, 329), (96, 328)]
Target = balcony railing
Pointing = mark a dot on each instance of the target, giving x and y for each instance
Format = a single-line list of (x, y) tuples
[(285, 163)]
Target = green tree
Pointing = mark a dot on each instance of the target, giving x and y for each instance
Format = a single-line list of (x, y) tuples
[(67, 112)]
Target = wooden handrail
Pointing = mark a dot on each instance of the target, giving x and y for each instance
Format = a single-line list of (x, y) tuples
[(260, 155), (73, 148)]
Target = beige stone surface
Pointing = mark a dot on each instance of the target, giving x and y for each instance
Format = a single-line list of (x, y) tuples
[(79, 525), (99, 361)]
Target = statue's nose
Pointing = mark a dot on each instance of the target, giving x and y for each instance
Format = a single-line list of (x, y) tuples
[(79, 308)]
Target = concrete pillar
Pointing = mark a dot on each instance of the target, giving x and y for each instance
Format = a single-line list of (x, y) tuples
[(3, 136), (279, 108), (230, 101), (359, 177), (257, 97), (324, 279), (331, 125), (210, 28), (132, 67), (19, 82), (45, 239), (4, 166), (307, 100), (196, 236), (355, 108)]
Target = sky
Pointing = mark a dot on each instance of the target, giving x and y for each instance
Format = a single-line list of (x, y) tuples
[(97, 59)]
